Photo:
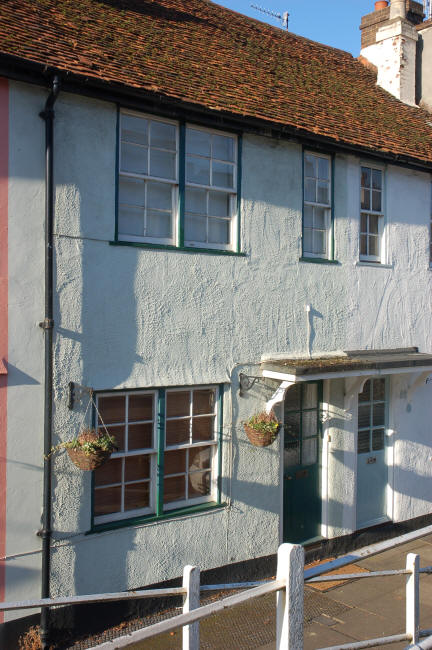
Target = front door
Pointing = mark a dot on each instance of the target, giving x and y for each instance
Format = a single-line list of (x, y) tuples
[(302, 447), (372, 473)]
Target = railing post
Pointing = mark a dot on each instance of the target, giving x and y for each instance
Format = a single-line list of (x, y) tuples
[(191, 582), (289, 601), (412, 597)]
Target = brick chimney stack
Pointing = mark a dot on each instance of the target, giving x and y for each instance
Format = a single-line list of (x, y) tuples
[(389, 42)]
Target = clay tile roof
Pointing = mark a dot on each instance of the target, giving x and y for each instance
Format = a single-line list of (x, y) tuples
[(198, 52)]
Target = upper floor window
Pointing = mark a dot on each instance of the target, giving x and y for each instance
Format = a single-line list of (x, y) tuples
[(430, 237), (167, 456), (177, 185), (317, 206), (371, 214)]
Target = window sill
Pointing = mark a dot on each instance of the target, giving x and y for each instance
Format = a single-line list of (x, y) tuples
[(375, 265), (179, 249), (151, 519), (318, 260)]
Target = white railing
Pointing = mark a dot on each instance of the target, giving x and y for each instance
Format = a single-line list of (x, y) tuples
[(289, 588)]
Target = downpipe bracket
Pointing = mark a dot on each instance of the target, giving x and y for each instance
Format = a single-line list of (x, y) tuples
[(47, 324)]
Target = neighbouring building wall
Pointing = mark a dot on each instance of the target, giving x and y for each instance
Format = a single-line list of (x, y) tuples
[(424, 66), (130, 317)]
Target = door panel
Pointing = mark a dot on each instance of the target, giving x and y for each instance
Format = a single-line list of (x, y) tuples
[(302, 449), (372, 470)]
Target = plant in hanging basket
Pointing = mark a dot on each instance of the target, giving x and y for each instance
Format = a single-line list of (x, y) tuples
[(89, 450), (262, 428)]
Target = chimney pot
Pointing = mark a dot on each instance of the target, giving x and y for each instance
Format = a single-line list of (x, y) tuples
[(381, 4)]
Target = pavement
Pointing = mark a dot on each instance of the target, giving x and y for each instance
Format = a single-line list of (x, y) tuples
[(336, 614)]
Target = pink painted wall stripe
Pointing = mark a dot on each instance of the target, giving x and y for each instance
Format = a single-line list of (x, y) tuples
[(4, 160)]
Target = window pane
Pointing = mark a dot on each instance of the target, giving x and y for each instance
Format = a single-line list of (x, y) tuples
[(319, 242), (363, 245), (219, 231), (365, 199), (292, 398), (118, 433), (199, 484), (195, 229), (310, 396), (137, 496), (310, 164), (292, 425), (178, 403), (203, 428), (174, 489), (373, 246), (379, 389), (378, 414), (323, 192), (140, 436), (363, 445), (378, 439), (198, 170), (162, 164), (198, 142), (131, 221), (137, 467), (308, 216), (159, 196), (159, 224), (134, 129), (196, 201), (133, 158), (310, 190), (365, 395), (223, 175), (199, 458), (309, 424), (223, 148), (365, 177), (320, 218), (308, 240), (219, 204), (323, 168), (132, 191), (110, 472), (107, 500), (163, 135), (373, 224), (376, 179), (177, 432), (111, 409), (140, 407), (203, 401), (291, 454), (363, 417), (175, 461), (364, 223), (376, 201), (309, 452)]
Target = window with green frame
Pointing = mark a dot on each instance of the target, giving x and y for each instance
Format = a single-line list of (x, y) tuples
[(168, 454), (178, 184), (317, 206)]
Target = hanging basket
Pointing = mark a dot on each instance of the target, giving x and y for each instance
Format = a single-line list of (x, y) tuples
[(260, 438), (88, 461)]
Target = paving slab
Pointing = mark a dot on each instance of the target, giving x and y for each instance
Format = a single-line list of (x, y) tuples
[(321, 636)]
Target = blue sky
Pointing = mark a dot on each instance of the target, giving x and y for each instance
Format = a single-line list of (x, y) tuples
[(333, 22)]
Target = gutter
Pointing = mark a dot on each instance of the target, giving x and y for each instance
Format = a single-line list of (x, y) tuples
[(33, 72), (47, 325)]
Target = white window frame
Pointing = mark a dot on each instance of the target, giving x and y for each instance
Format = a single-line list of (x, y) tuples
[(212, 497), (174, 183), (374, 259), (150, 451), (214, 188), (328, 207)]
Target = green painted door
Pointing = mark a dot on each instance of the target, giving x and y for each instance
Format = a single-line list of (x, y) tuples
[(302, 450)]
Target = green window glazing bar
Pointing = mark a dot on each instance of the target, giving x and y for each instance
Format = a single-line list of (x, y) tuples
[(160, 432), (220, 432)]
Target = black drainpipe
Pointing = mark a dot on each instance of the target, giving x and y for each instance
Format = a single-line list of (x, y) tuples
[(47, 325)]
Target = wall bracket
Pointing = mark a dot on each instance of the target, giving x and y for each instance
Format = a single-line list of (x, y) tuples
[(78, 393)]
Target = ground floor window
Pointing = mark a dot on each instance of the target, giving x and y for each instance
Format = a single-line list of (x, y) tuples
[(168, 451), (371, 416)]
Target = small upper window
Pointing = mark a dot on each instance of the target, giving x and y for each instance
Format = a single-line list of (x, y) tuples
[(210, 189), (371, 215), (148, 179), (317, 206)]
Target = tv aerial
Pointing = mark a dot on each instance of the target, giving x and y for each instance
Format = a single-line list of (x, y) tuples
[(282, 17)]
